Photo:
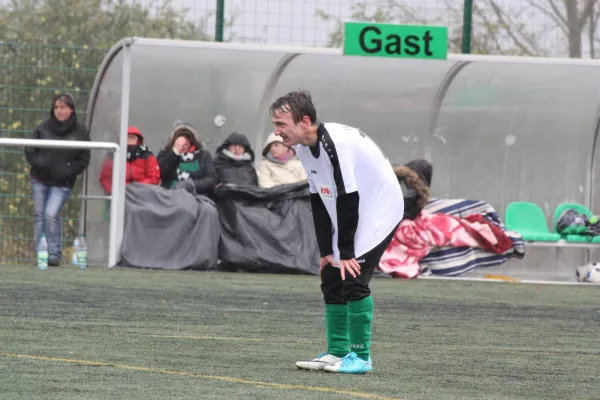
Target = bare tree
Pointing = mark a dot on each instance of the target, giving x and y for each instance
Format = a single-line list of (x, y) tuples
[(493, 30), (518, 28), (571, 18), (592, 31)]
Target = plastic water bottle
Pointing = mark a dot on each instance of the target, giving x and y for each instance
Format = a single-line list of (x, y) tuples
[(75, 251), (82, 253), (42, 254)]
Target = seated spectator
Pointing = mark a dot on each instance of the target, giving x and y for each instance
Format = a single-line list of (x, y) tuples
[(234, 160), (415, 179), (447, 237), (184, 163), (279, 164), (423, 168), (142, 166)]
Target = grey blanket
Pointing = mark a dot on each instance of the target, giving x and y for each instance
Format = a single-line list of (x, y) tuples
[(169, 229), (267, 230)]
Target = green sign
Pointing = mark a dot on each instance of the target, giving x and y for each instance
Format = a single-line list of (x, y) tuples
[(389, 40)]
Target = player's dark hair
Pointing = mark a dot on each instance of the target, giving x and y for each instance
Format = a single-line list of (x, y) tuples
[(299, 103)]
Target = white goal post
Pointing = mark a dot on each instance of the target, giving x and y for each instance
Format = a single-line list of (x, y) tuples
[(117, 197)]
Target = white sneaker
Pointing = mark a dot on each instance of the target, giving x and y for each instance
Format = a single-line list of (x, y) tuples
[(319, 363)]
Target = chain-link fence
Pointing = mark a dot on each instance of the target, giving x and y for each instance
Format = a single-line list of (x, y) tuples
[(30, 75), (308, 22), (523, 27)]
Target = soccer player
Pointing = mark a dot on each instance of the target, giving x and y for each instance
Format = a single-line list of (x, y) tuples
[(357, 206)]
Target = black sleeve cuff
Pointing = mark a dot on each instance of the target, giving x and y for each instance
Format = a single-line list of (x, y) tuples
[(347, 215), (322, 225)]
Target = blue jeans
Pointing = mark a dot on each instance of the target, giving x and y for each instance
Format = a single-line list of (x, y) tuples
[(48, 201)]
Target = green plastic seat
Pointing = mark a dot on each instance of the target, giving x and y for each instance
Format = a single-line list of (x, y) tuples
[(581, 209), (528, 219)]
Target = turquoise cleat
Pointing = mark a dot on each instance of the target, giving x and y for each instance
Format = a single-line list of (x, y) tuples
[(351, 364)]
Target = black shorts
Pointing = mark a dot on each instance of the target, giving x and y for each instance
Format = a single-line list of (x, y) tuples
[(337, 291)]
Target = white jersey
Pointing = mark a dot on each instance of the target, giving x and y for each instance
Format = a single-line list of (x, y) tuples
[(349, 161)]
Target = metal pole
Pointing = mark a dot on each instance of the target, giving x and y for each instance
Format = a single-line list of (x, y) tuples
[(75, 144), (113, 239), (117, 205), (220, 22), (467, 25), (58, 144)]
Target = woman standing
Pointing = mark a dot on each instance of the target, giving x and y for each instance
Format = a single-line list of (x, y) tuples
[(54, 171)]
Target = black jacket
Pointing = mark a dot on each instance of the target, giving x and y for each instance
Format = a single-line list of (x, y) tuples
[(58, 167), (238, 172), (200, 168)]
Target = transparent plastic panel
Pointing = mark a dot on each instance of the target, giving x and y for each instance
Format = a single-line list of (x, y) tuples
[(391, 100), (517, 132), (216, 91)]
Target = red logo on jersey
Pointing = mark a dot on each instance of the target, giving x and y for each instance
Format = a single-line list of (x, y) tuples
[(326, 191)]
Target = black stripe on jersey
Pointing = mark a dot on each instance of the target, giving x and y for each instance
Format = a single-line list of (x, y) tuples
[(329, 146)]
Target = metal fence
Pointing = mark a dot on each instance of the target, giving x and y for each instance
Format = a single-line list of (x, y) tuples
[(29, 76), (527, 27)]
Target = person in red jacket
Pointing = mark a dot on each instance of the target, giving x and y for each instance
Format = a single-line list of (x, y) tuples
[(142, 166)]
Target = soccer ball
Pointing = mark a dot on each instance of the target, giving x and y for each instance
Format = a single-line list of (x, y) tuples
[(589, 273)]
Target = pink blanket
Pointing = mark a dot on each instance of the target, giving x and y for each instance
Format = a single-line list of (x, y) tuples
[(414, 239)]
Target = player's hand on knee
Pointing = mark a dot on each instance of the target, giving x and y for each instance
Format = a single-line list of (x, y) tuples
[(324, 261), (352, 266)]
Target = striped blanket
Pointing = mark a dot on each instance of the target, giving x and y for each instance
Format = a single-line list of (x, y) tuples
[(455, 261)]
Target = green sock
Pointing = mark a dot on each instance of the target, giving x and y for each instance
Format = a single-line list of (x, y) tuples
[(360, 315), (336, 326)]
